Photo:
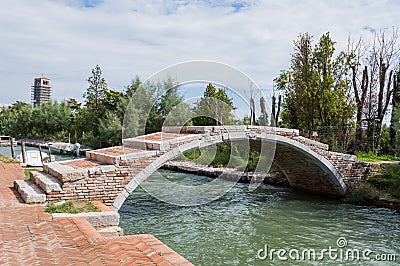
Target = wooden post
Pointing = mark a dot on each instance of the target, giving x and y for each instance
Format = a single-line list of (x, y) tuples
[(40, 152), (49, 152), (12, 148), (83, 138), (23, 151)]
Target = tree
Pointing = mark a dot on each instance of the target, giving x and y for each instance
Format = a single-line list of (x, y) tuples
[(214, 108), (316, 87), (172, 108), (133, 86), (264, 116), (110, 130), (52, 120), (275, 110), (111, 99), (384, 52), (359, 82), (395, 117), (74, 105), (95, 93), (19, 122), (300, 92), (95, 109), (373, 83), (150, 104)]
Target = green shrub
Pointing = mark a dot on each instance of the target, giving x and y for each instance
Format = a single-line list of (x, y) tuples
[(361, 193), (388, 180)]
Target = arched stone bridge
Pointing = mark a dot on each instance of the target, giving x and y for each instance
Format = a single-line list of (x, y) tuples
[(112, 174)]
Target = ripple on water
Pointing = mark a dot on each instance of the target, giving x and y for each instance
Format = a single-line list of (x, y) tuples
[(230, 230)]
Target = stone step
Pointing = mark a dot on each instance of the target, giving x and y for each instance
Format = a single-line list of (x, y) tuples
[(142, 144), (114, 155), (64, 173), (29, 191), (159, 141), (74, 170), (46, 182)]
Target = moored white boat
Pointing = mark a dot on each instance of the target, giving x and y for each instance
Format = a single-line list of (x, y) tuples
[(6, 141), (64, 148), (32, 158)]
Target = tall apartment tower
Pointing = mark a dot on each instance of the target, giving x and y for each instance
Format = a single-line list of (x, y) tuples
[(41, 91)]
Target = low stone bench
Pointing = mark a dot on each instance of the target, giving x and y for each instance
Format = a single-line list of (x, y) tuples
[(96, 219)]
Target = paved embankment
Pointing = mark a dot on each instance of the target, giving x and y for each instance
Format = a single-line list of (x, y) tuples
[(30, 236)]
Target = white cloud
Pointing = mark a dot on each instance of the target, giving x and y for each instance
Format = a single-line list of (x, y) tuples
[(65, 39)]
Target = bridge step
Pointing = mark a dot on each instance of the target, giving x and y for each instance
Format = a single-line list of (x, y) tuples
[(159, 141), (114, 155), (46, 182), (74, 170), (64, 173), (29, 192)]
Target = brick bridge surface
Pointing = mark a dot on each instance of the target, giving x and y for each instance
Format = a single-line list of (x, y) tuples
[(111, 174), (30, 236)]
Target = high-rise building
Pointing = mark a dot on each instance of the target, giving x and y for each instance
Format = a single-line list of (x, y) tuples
[(41, 91)]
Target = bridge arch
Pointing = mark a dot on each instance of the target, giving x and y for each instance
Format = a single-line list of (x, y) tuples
[(305, 169)]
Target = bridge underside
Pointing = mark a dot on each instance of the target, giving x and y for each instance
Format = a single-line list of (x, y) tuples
[(304, 172)]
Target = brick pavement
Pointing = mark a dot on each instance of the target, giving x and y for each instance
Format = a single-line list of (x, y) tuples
[(29, 236)]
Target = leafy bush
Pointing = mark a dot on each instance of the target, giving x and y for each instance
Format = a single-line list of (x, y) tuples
[(361, 193), (388, 180)]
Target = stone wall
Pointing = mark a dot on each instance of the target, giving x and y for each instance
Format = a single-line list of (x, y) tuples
[(102, 183), (351, 170)]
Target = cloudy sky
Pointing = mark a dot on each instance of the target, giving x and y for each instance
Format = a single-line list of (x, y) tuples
[(65, 39)]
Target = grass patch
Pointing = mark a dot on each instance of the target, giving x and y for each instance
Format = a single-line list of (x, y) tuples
[(373, 157), (6, 159), (27, 172), (72, 207)]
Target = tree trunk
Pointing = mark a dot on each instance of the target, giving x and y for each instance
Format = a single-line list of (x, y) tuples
[(278, 110), (273, 112), (360, 101), (252, 112), (395, 115)]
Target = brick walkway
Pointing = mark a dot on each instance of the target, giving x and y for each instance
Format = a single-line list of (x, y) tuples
[(29, 236)]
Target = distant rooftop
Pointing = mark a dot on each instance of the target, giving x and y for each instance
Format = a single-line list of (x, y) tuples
[(42, 77)]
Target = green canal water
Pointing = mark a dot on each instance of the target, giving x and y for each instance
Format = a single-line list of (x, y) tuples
[(235, 228)]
